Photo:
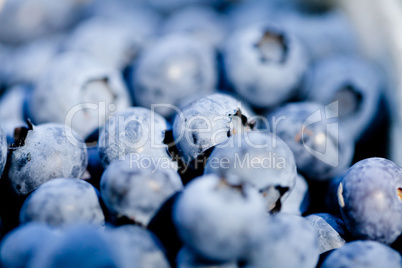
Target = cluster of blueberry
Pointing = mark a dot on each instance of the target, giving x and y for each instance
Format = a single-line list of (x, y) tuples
[(192, 133)]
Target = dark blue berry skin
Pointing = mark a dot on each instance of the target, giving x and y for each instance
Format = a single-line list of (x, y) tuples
[(354, 82), (322, 147), (363, 254), (23, 243), (331, 231), (218, 111), (370, 197), (63, 202), (172, 70), (79, 246)]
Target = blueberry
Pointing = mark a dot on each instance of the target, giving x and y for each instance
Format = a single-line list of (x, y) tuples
[(134, 133), (299, 198), (44, 152), (259, 159), (63, 202), (212, 217), (330, 231), (27, 62), (289, 241), (78, 91), (264, 64), (137, 190), (202, 22), (113, 43), (188, 259), (78, 246), (370, 197), (24, 25), (207, 122), (23, 243), (175, 67), (136, 247), (363, 254), (322, 147), (355, 83)]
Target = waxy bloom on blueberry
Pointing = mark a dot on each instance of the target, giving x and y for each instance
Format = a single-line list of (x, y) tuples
[(134, 133), (63, 202), (370, 198), (259, 159), (45, 152), (78, 91), (211, 213)]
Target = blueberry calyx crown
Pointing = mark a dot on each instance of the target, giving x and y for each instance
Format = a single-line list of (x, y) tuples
[(273, 46), (20, 134), (246, 125)]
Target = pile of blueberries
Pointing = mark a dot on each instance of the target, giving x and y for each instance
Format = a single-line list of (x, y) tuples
[(193, 133)]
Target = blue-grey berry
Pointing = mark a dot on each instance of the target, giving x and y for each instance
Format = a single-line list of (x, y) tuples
[(207, 122), (212, 216), (133, 133), (136, 190), (173, 68), (202, 22), (27, 62), (78, 91), (62, 203), (363, 254), (45, 152), (370, 198), (354, 82), (260, 159)]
